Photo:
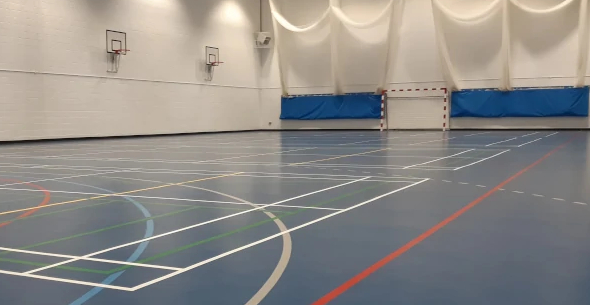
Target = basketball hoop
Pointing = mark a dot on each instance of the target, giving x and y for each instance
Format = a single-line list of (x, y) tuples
[(115, 60), (121, 51), (211, 69)]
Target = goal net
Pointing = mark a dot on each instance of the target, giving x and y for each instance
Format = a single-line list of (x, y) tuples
[(426, 108)]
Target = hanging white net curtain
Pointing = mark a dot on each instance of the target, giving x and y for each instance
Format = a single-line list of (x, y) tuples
[(279, 23), (365, 35), (388, 17), (483, 14)]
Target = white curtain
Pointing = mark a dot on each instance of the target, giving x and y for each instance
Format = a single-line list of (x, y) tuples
[(337, 19), (505, 7), (542, 11), (505, 80), (335, 5), (582, 44), (293, 28)]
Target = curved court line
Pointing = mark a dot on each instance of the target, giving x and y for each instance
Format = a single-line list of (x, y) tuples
[(274, 277), (149, 232), (29, 212), (285, 254)]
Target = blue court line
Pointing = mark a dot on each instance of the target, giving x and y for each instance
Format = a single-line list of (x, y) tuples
[(149, 232)]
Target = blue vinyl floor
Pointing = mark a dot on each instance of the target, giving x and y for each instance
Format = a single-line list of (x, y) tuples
[(308, 217)]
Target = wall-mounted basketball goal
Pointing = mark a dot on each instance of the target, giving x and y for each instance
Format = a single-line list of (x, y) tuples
[(116, 46), (212, 60)]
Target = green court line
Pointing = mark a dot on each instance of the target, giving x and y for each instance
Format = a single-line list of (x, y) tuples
[(242, 229), (179, 249), (80, 235), (191, 207), (61, 211), (103, 229)]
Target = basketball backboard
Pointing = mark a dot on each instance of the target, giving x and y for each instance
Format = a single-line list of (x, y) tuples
[(116, 41), (212, 55)]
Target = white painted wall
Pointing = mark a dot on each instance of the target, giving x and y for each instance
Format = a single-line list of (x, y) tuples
[(543, 54), (53, 79), (54, 84)]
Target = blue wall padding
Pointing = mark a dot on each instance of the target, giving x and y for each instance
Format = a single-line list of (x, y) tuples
[(329, 107), (520, 103)]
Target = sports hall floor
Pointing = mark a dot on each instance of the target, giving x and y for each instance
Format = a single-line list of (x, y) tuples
[(309, 217)]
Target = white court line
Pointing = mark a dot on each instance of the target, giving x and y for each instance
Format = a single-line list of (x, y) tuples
[(502, 141), (458, 168), (547, 136), (329, 145), (247, 156), (54, 167), (269, 238), (432, 141), (183, 172), (370, 156), (537, 195), (90, 259), (428, 168), (303, 207), (479, 185), (438, 159), (447, 181), (239, 203), (475, 134), (176, 199), (388, 138), (355, 166), (282, 165), (518, 192), (94, 152), (530, 134), (581, 203), (57, 279), (249, 140), (464, 183), (212, 162), (191, 227), (32, 173), (529, 142), (364, 141), (62, 178), (558, 199), (269, 175)]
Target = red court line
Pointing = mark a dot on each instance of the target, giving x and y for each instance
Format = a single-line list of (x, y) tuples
[(29, 212), (384, 261)]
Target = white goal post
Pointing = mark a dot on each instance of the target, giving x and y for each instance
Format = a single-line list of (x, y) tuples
[(415, 109)]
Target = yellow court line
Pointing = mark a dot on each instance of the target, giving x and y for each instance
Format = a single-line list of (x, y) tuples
[(359, 154), (118, 194)]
